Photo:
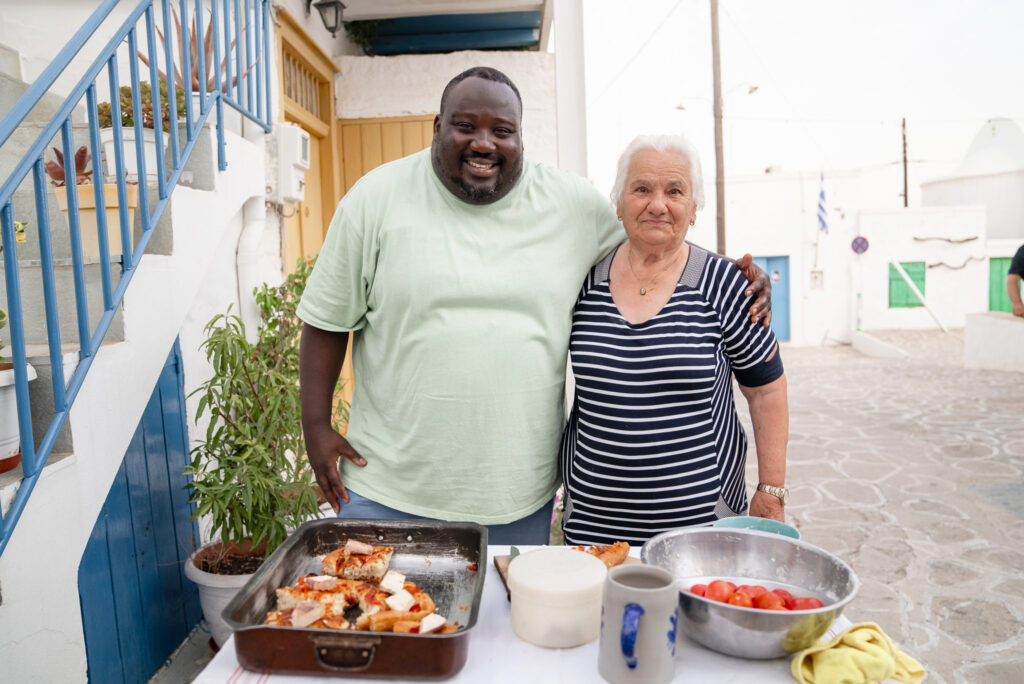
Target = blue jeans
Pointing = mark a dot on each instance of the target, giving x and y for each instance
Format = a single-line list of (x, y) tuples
[(534, 529)]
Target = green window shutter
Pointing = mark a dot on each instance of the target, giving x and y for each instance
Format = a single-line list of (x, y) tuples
[(998, 300), (900, 294)]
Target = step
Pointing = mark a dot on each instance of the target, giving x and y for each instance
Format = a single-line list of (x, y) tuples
[(10, 482), (33, 308), (199, 173), (40, 392), (23, 205), (11, 90), (10, 64), (42, 410)]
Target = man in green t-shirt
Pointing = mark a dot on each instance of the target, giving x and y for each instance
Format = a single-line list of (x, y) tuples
[(456, 269)]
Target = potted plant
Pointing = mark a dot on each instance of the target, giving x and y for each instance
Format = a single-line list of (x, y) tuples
[(10, 434), (193, 46), (249, 475), (209, 76), (87, 202), (104, 112)]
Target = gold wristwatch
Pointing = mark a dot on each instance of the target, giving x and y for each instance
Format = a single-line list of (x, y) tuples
[(779, 492)]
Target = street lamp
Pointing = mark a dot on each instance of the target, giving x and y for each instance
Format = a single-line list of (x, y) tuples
[(330, 13), (751, 89)]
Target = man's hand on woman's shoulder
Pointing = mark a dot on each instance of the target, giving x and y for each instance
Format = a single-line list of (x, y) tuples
[(760, 285)]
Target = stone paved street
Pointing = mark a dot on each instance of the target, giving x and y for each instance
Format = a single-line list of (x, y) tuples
[(911, 471)]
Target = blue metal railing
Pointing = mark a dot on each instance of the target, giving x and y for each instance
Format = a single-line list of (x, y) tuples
[(186, 35)]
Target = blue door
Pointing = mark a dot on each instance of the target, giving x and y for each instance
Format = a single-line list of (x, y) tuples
[(778, 270), (137, 606)]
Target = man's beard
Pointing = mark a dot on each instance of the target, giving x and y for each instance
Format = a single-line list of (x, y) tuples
[(475, 195)]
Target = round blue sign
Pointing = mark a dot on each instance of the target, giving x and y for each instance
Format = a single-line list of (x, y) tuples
[(859, 244)]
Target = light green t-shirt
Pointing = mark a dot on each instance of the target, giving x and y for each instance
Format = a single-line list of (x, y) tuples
[(462, 316)]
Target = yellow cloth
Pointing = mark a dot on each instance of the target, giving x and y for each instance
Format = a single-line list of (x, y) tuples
[(861, 654)]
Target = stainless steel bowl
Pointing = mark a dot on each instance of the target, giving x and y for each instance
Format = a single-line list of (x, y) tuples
[(700, 554)]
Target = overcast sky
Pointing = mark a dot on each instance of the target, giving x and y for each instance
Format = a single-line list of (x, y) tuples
[(833, 79)]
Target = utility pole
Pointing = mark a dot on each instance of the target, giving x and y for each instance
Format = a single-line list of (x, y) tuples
[(719, 157), (904, 162)]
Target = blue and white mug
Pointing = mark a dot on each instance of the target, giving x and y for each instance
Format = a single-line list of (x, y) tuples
[(639, 615)]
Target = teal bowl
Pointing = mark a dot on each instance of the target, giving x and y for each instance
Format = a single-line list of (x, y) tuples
[(751, 522)]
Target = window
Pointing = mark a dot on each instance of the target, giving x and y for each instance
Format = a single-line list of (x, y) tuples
[(900, 294), (998, 300)]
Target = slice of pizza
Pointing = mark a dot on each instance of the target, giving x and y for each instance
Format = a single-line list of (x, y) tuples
[(337, 594), (431, 624), (412, 603), (350, 562), (371, 598), (310, 613), (611, 555)]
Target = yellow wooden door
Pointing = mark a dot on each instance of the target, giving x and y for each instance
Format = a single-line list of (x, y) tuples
[(365, 144), (368, 143), (306, 227), (307, 99)]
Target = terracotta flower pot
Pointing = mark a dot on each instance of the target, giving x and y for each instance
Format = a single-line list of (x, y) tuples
[(87, 216)]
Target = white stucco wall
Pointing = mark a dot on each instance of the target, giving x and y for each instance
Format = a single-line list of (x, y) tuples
[(38, 30), (370, 87), (313, 25), (776, 215), (956, 274), (1001, 193)]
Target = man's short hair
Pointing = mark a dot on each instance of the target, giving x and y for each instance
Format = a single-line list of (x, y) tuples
[(486, 73)]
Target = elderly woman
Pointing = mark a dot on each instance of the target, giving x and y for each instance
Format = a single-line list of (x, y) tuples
[(659, 329)]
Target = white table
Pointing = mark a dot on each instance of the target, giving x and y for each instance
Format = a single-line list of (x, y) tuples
[(496, 654)]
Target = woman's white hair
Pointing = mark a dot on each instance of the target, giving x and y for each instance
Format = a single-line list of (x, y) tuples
[(679, 144)]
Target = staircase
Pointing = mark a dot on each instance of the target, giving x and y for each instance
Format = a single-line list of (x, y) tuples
[(189, 271)]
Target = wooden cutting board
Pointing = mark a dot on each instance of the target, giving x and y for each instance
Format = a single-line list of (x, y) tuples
[(501, 565)]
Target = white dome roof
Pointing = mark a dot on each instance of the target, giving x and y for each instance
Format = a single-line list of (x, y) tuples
[(997, 148)]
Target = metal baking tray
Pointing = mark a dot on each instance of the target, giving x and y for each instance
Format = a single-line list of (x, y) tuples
[(447, 560)]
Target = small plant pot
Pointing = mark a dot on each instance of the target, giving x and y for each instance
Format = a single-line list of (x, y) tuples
[(131, 158), (87, 216), (10, 436), (216, 591)]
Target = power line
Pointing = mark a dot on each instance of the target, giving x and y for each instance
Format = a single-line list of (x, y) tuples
[(643, 46), (764, 66)]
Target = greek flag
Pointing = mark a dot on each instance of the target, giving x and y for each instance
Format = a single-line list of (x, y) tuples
[(822, 212)]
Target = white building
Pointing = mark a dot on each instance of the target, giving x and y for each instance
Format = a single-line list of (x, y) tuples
[(957, 244)]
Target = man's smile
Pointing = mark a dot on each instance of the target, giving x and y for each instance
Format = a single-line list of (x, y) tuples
[(484, 168)]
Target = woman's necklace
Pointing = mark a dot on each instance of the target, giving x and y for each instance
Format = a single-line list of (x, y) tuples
[(644, 288)]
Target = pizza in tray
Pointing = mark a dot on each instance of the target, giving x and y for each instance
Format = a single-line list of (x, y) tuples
[(610, 555), (358, 561), (387, 604), (338, 594)]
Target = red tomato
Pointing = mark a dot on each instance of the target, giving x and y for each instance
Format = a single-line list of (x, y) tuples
[(738, 598), (698, 589), (770, 601), (752, 590), (806, 603), (719, 590), (786, 596)]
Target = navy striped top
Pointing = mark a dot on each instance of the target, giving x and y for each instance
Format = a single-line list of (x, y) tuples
[(654, 441)]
